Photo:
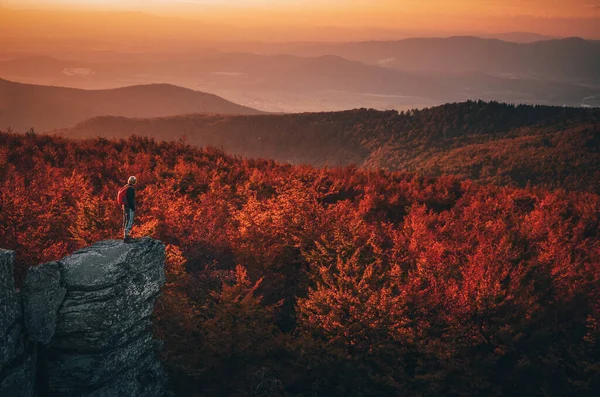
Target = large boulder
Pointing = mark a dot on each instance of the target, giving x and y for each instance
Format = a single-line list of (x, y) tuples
[(17, 360), (10, 310), (111, 288), (86, 327), (9, 307), (43, 293), (102, 344)]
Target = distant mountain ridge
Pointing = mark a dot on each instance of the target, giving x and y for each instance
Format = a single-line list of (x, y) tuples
[(573, 57), (519, 37), (301, 77), (24, 106)]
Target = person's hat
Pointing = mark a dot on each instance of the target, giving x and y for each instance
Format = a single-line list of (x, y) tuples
[(132, 180)]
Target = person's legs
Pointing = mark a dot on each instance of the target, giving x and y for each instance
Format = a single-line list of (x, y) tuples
[(129, 222), (125, 221)]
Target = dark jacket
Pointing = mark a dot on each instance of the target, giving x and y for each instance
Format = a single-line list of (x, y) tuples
[(130, 202)]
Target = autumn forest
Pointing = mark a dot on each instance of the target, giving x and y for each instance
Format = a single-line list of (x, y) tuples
[(373, 279)]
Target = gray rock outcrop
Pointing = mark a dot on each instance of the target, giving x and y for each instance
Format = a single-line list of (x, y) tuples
[(89, 315), (17, 360), (43, 293)]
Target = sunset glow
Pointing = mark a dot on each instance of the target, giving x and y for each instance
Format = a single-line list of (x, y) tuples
[(544, 8), (426, 17)]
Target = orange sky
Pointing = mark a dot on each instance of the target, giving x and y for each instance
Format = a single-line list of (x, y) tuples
[(545, 8), (425, 17)]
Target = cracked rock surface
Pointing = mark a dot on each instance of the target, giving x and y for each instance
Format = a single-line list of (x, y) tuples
[(17, 360), (83, 325), (103, 345), (43, 293)]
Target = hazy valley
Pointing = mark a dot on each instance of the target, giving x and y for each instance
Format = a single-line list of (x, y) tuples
[(300, 77)]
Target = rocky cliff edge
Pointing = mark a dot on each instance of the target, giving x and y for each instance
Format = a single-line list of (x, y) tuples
[(85, 322)]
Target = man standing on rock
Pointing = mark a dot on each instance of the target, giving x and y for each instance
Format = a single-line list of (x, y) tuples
[(126, 198)]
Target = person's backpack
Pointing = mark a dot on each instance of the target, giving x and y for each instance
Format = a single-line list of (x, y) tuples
[(122, 195)]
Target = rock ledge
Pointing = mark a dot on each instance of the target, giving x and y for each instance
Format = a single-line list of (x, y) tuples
[(89, 316)]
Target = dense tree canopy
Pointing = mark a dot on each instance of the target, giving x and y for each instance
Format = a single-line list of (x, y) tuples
[(293, 280)]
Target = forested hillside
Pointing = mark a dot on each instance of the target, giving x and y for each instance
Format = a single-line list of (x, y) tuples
[(298, 281), (491, 142)]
